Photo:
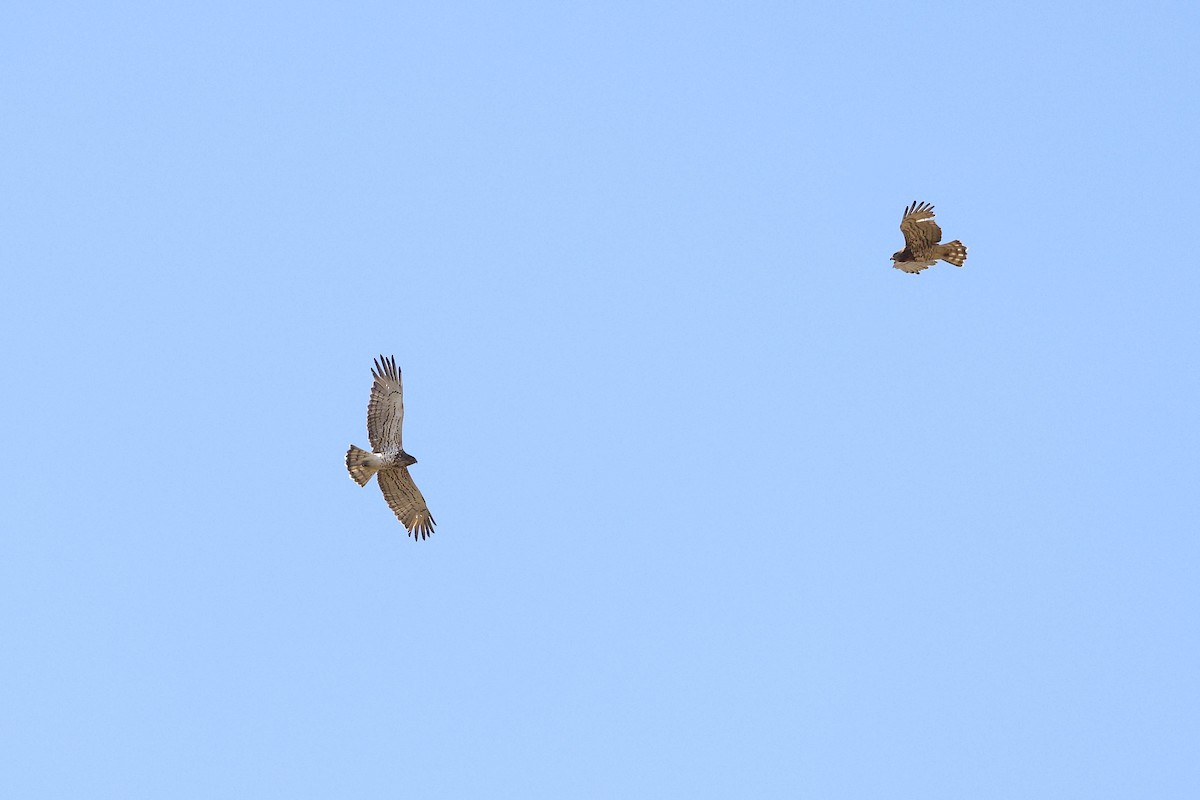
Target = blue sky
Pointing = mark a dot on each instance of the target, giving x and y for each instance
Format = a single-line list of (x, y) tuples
[(727, 506)]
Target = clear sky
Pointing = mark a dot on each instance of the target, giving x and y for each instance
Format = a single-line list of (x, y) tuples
[(727, 506)]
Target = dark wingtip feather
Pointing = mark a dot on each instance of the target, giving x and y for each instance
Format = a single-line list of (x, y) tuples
[(385, 367)]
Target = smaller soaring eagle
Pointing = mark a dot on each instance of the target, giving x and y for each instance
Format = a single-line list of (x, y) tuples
[(387, 459), (921, 237)]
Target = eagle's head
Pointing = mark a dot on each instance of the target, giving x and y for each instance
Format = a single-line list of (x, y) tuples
[(899, 255), (406, 460)]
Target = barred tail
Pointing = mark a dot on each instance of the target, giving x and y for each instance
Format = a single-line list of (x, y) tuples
[(953, 252), (356, 461)]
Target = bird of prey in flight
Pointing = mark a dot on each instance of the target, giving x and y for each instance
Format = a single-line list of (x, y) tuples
[(387, 459), (921, 237)]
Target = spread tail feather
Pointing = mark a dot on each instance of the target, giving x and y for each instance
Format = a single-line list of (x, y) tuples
[(953, 252), (357, 460)]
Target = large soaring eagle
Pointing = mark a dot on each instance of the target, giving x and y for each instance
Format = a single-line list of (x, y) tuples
[(921, 237), (387, 459)]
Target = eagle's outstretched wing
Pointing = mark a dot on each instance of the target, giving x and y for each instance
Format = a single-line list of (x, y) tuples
[(385, 411), (921, 233), (406, 501)]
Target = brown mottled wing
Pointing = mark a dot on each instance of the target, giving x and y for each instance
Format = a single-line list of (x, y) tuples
[(385, 411), (406, 501), (921, 233)]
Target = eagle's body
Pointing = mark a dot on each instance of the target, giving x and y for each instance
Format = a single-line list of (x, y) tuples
[(387, 459), (373, 462), (921, 242)]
